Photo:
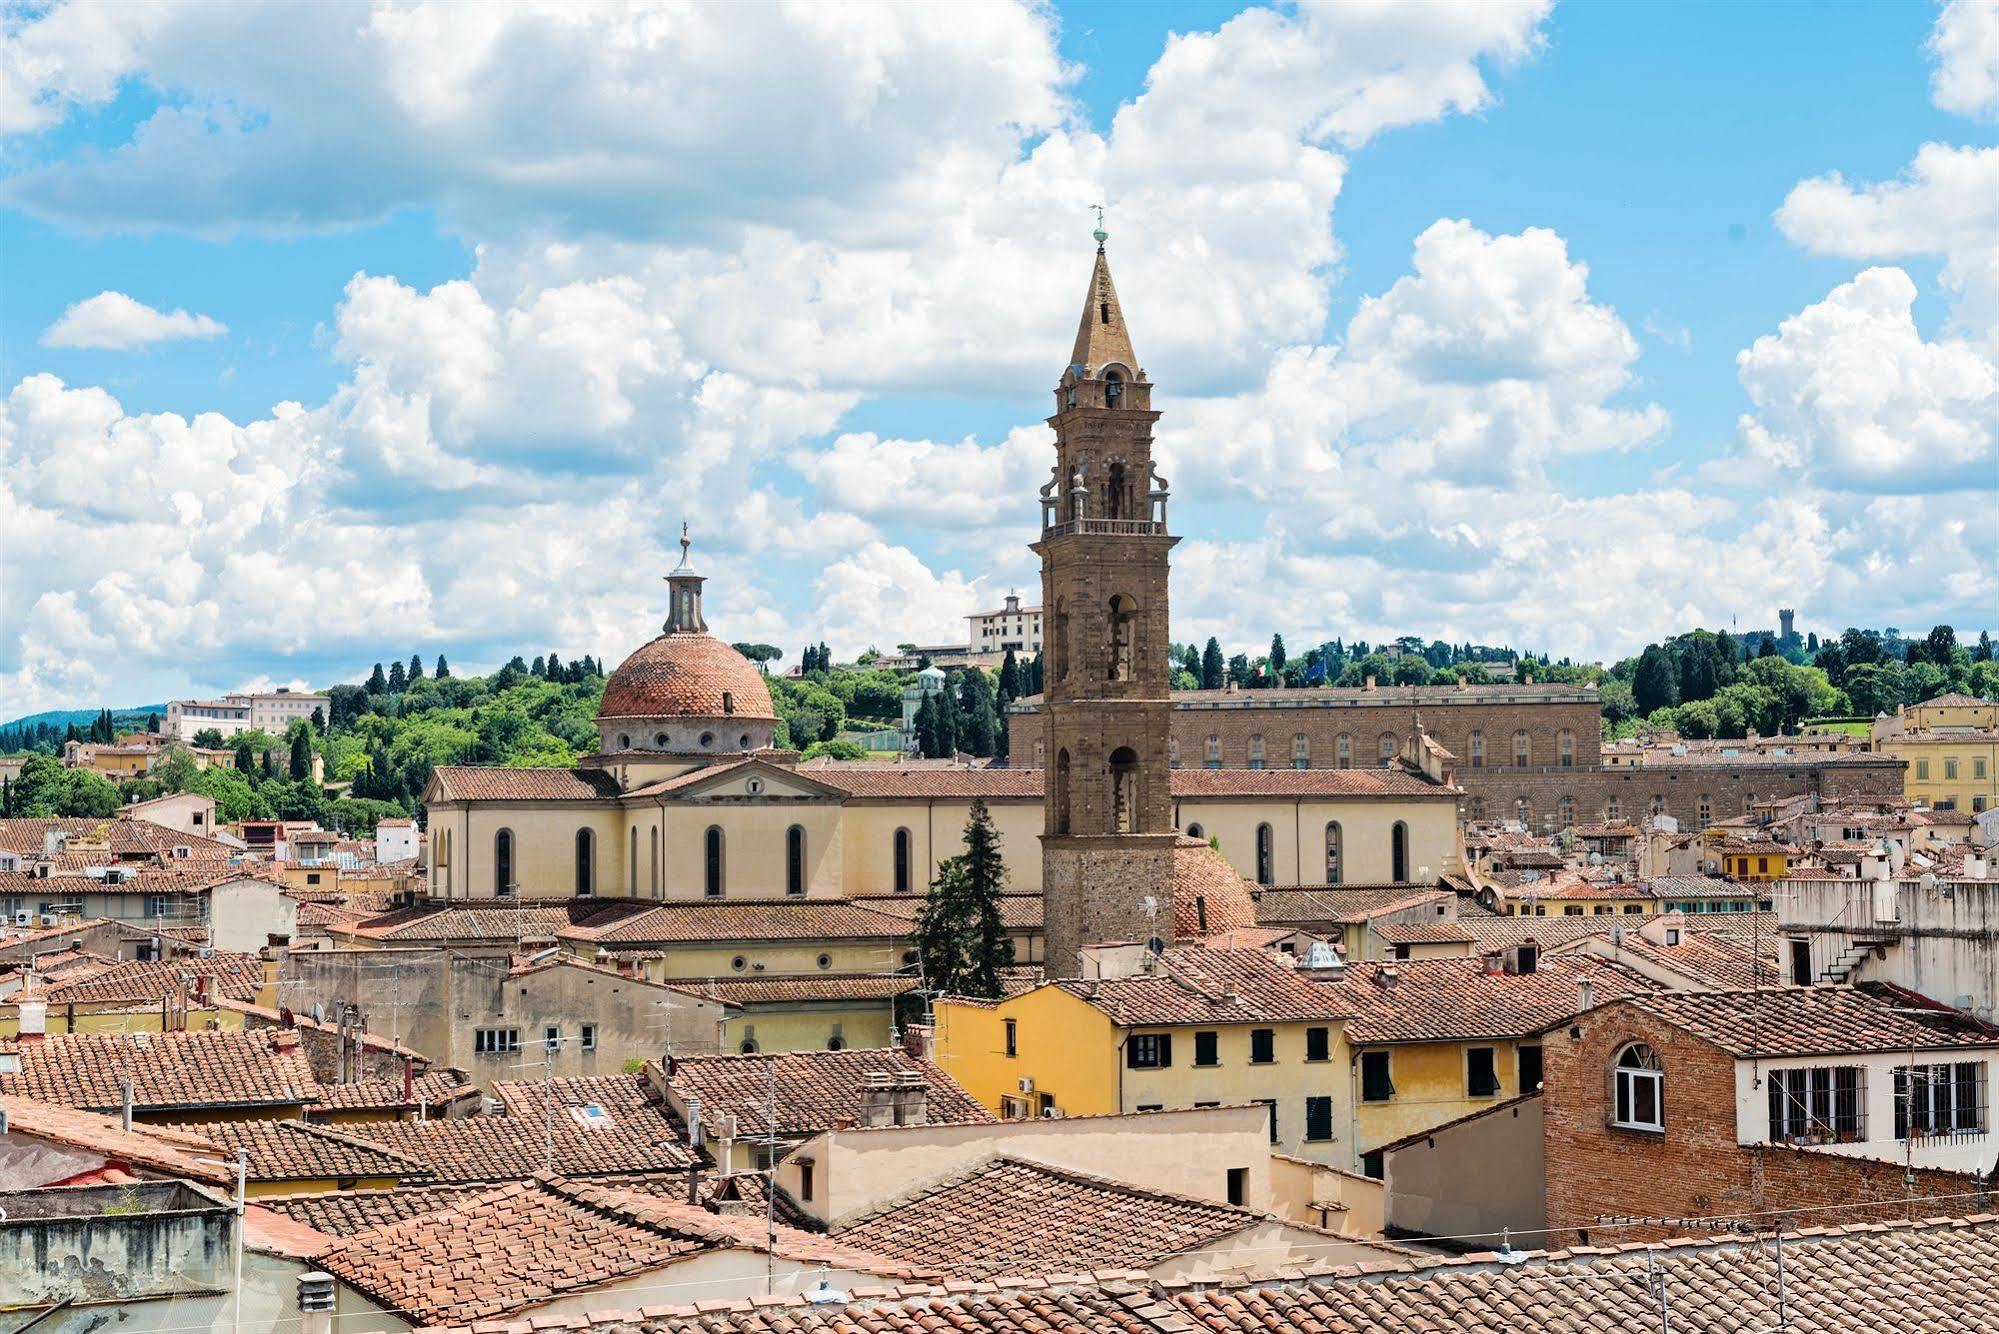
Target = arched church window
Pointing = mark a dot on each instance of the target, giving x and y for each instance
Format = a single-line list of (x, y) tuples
[(503, 864), (1124, 790), (1398, 851), (1266, 855), (586, 864), (1114, 492), (902, 880), (794, 860), (1113, 388), (1335, 845), (713, 885)]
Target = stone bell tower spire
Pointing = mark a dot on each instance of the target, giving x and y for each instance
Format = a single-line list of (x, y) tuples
[(1108, 840)]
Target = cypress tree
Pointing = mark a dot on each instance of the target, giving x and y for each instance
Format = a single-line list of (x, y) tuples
[(950, 724), (416, 669), (153, 723), (926, 727), (1277, 657), (378, 681), (270, 766), (554, 667), (246, 759), (540, 667), (1212, 665), (1009, 680), (301, 758), (960, 937), (396, 679), (442, 671), (319, 720), (825, 657)]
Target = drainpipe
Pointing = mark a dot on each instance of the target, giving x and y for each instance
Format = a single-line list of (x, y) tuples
[(1353, 1107)]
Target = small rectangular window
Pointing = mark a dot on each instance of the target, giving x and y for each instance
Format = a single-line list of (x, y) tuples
[(495, 1041), (1529, 1059), (551, 1036), (1149, 1051), (1375, 1084), (1012, 1037), (1238, 1186), (1318, 1118), (805, 1181), (1207, 1048), (1262, 1046), (589, 1040), (1481, 1072), (1318, 1044)]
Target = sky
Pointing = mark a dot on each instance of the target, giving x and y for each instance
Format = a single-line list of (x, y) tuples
[(333, 333)]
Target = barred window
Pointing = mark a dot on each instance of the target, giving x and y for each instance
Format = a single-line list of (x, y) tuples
[(1824, 1104)]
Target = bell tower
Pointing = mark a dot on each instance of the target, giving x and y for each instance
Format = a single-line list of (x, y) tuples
[(1107, 844)]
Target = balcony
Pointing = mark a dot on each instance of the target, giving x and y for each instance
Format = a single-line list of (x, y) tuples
[(1105, 528)]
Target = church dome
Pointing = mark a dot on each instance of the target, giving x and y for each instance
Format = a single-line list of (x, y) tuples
[(686, 692), (686, 675)]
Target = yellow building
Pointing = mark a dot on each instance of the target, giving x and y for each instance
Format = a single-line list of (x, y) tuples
[(1433, 1040), (1758, 862), (1192, 1027), (1950, 746), (1570, 895)]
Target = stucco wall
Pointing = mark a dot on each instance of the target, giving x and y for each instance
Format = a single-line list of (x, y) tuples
[(1475, 1176)]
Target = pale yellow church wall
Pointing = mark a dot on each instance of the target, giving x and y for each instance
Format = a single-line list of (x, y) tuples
[(857, 1024), (936, 832), (850, 848), (774, 958), (1298, 835), (544, 847)]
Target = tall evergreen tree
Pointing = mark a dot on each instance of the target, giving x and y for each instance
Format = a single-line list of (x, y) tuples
[(319, 720), (960, 937), (1009, 680), (978, 716), (554, 667), (949, 724), (301, 757), (926, 728), (153, 724), (1277, 657), (396, 679), (1655, 684), (540, 667), (1983, 653), (1211, 665), (442, 671), (416, 670), (246, 759), (270, 765), (378, 681), (825, 657)]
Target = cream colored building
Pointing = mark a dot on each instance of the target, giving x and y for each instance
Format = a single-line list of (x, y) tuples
[(1950, 746)]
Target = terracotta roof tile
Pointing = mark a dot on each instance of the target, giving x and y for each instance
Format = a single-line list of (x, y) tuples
[(298, 1150), (1439, 1000), (1197, 985), (1815, 1021), (814, 1088), (154, 1148), (734, 920), (686, 675), (263, 1068), (474, 782)]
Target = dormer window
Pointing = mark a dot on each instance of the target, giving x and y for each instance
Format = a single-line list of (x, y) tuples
[(728, 701)]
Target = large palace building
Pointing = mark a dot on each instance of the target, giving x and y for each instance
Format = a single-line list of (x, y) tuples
[(1528, 752)]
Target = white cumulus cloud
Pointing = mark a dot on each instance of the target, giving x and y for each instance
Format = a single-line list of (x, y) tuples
[(116, 321), (1965, 45)]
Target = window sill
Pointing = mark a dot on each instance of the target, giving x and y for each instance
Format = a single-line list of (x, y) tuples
[(1207, 1065), (1377, 1102), (1660, 1131), (1263, 1062)]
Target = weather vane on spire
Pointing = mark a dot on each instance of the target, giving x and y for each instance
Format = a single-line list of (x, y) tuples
[(1100, 233), (685, 543)]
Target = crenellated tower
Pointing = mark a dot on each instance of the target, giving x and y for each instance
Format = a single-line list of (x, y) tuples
[(1107, 846)]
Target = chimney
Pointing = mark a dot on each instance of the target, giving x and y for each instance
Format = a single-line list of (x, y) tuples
[(1495, 963), (1368, 684), (33, 1021), (315, 1302), (910, 1098), (1585, 994), (877, 1099), (1388, 978), (409, 1079)]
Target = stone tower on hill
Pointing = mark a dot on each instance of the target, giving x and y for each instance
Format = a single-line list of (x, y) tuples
[(1113, 866)]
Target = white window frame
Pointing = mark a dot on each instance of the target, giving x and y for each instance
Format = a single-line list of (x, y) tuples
[(1626, 1082)]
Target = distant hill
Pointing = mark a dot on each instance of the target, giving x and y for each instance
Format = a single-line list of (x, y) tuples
[(82, 717)]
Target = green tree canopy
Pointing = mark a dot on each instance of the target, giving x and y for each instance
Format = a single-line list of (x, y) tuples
[(960, 936)]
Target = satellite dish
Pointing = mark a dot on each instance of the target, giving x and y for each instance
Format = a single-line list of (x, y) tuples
[(1156, 945)]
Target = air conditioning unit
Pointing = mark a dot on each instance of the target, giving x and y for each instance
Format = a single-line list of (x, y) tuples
[(24, 918), (1052, 1113), (1027, 1086), (48, 919)]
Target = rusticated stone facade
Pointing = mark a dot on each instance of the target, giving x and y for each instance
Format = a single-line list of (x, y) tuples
[(1524, 752)]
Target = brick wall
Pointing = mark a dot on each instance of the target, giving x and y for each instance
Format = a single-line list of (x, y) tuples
[(1695, 1168), (1694, 794)]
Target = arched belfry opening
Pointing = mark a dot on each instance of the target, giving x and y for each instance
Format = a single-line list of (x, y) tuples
[(1123, 615), (1058, 797), (1124, 790)]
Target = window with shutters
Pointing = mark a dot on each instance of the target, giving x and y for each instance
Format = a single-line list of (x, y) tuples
[(1481, 1072), (1318, 1118), (1207, 1048), (1148, 1051), (1262, 1046)]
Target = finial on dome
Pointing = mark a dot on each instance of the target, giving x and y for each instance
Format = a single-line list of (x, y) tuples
[(684, 610), (1101, 235), (685, 542)]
